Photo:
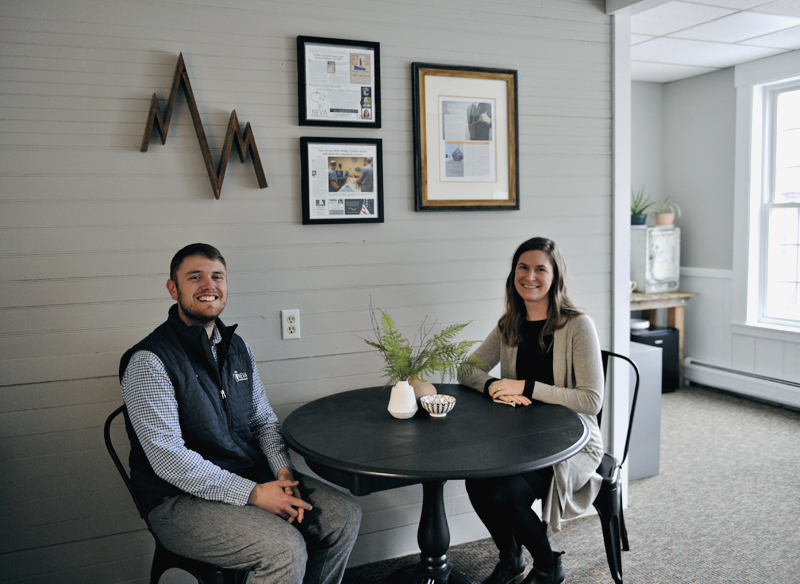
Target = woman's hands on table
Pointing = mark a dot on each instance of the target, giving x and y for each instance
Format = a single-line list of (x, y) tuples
[(509, 390)]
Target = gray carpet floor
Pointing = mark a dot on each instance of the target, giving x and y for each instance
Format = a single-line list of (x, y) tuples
[(724, 507)]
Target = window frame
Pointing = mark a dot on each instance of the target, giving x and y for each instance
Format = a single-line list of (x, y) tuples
[(752, 82), (769, 141)]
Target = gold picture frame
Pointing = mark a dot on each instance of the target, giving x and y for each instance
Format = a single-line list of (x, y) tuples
[(465, 138)]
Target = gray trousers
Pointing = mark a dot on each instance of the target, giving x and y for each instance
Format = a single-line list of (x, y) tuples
[(250, 538)]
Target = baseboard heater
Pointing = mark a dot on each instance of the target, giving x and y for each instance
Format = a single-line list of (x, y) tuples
[(762, 387)]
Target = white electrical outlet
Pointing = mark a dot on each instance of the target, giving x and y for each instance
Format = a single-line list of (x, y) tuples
[(290, 324)]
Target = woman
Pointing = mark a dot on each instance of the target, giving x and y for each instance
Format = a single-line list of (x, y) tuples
[(548, 351)]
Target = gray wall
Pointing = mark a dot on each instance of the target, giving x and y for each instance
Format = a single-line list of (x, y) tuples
[(647, 138), (699, 130), (683, 147), (88, 224)]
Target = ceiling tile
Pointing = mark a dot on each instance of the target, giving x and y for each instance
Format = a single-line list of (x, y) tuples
[(684, 38), (785, 7), (738, 27), (662, 73), (785, 39), (674, 16), (697, 53)]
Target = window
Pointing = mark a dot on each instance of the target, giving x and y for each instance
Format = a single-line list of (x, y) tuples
[(779, 289), (765, 292)]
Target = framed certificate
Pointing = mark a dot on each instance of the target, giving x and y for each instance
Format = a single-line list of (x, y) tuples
[(339, 82), (465, 138), (342, 180)]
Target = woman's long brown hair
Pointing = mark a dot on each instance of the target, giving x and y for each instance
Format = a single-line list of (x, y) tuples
[(560, 307)]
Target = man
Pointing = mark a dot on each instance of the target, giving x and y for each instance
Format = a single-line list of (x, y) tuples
[(207, 461), (333, 179), (366, 176), (479, 121), (458, 156)]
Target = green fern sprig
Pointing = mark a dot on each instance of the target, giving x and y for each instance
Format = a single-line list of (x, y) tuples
[(424, 357)]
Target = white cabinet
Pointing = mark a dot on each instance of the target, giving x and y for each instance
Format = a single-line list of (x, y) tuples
[(656, 258), (645, 444)]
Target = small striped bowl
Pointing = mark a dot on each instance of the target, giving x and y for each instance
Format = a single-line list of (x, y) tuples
[(438, 405)]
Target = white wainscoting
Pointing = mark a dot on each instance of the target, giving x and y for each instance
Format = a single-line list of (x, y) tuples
[(760, 362)]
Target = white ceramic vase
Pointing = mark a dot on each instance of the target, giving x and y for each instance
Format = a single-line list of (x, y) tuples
[(402, 403)]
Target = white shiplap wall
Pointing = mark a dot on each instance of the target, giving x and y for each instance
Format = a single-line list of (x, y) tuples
[(88, 225)]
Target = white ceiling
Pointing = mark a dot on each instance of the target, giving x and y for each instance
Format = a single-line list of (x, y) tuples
[(681, 39)]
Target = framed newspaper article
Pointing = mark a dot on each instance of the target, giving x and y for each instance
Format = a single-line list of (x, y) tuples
[(465, 138), (339, 82), (342, 180)]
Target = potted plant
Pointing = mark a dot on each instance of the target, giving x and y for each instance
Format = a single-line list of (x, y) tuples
[(428, 355), (639, 206), (665, 212)]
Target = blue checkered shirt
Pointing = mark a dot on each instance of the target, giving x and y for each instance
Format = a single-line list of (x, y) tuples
[(153, 410)]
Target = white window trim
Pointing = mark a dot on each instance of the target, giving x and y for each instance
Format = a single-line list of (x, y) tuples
[(772, 332), (770, 99), (747, 225)]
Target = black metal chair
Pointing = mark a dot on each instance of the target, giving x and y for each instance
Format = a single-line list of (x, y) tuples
[(609, 500), (163, 559)]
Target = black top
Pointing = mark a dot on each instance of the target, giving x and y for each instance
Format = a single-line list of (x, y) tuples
[(533, 364), (351, 439)]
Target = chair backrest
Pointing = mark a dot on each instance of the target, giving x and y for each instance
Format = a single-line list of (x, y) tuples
[(118, 463), (606, 357)]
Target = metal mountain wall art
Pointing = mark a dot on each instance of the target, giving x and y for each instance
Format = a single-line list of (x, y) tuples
[(245, 142)]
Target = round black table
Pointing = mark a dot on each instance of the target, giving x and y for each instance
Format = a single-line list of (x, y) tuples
[(351, 440)]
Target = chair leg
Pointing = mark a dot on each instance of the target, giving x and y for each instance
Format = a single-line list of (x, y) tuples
[(623, 531), (608, 508), (160, 564)]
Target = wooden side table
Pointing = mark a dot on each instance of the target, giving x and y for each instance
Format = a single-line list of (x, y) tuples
[(674, 302)]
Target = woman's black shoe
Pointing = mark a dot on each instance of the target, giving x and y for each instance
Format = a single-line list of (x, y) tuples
[(508, 571), (554, 575)]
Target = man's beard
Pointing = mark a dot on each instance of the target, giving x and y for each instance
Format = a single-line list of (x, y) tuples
[(194, 316)]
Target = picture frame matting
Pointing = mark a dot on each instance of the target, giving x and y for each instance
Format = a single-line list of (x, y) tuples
[(465, 138)]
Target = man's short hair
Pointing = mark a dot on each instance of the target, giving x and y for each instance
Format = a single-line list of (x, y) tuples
[(368, 160), (332, 163), (202, 249)]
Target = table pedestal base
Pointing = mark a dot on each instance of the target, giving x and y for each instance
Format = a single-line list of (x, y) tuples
[(433, 537), (418, 575)]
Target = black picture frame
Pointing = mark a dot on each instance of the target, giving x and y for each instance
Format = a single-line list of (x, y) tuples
[(310, 54), (348, 203), (490, 182)]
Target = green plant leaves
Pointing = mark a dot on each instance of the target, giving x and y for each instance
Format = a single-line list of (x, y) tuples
[(431, 355), (667, 206), (640, 203)]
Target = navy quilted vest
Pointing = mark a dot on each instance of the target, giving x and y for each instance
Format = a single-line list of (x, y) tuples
[(214, 404)]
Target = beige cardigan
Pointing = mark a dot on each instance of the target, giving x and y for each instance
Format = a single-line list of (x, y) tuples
[(578, 376)]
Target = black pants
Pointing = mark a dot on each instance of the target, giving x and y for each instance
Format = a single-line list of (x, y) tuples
[(504, 506)]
